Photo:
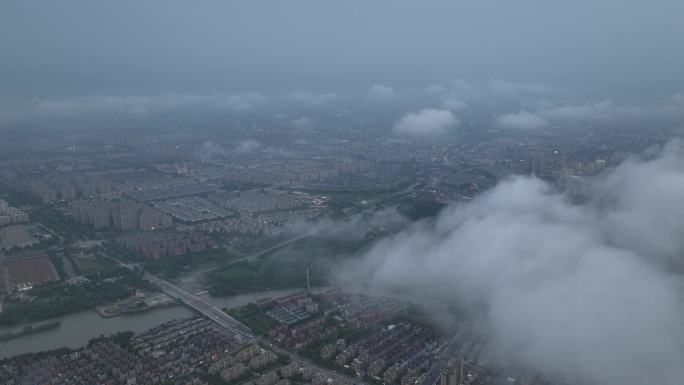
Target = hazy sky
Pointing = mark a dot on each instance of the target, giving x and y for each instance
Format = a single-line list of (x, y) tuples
[(623, 49)]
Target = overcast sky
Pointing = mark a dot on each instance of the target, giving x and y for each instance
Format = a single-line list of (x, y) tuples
[(622, 49)]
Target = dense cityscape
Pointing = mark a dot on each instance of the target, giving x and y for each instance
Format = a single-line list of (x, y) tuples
[(341, 193), (128, 224)]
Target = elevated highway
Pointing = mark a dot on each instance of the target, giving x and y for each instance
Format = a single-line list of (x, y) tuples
[(198, 304), (202, 306)]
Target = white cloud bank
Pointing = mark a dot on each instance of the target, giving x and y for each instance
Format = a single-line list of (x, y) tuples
[(668, 109), (302, 125), (453, 104), (522, 120), (311, 98), (380, 93), (426, 122), (667, 112), (588, 292), (517, 90), (247, 146), (133, 106)]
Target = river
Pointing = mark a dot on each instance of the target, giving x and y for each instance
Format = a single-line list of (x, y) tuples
[(78, 328)]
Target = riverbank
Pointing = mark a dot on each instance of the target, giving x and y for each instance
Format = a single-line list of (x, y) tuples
[(78, 328), (139, 303), (29, 329)]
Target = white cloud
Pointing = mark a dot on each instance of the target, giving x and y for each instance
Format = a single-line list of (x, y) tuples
[(426, 122), (453, 104), (597, 111), (465, 91), (435, 89), (669, 109), (522, 120), (515, 89), (461, 85), (247, 146), (135, 106), (311, 98), (303, 124), (588, 292), (380, 92)]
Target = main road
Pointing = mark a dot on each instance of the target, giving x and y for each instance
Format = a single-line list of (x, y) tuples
[(201, 306), (253, 256), (198, 304), (226, 321)]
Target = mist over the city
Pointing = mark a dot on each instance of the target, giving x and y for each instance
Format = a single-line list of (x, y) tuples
[(341, 192), (592, 291)]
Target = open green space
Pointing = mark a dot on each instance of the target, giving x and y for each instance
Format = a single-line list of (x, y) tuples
[(172, 267), (286, 267), (253, 317), (57, 299)]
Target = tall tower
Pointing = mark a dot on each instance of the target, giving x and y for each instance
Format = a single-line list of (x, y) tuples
[(452, 374), (537, 164)]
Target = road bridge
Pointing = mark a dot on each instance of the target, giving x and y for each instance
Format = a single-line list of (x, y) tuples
[(198, 304)]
